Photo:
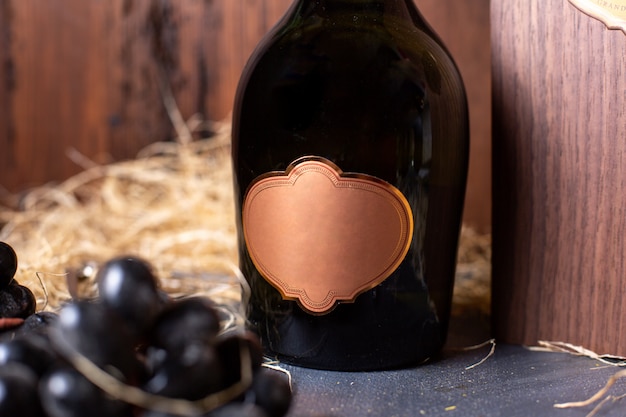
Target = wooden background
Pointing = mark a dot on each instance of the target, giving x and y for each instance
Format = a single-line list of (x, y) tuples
[(559, 148), (83, 75)]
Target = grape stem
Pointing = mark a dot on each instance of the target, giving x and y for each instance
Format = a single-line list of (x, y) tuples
[(138, 397)]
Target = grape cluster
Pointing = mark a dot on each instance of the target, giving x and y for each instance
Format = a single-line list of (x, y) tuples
[(131, 352), (16, 301)]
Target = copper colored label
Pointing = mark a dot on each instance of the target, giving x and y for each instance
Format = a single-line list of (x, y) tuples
[(322, 237), (611, 12)]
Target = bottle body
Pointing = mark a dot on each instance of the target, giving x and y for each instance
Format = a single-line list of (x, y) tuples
[(364, 93)]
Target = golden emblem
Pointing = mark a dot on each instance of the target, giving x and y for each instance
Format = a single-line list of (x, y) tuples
[(611, 12)]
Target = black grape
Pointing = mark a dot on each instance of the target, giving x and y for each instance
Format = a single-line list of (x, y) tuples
[(33, 352), (101, 336), (37, 323), (17, 301), (8, 264), (231, 347), (238, 410), (193, 373), (185, 321), (18, 392), (66, 393), (272, 392), (128, 286)]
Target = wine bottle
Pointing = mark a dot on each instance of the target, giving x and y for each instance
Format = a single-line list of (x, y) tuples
[(350, 153)]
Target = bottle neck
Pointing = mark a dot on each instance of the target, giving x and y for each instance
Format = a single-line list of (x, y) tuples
[(348, 3), (398, 8), (357, 4)]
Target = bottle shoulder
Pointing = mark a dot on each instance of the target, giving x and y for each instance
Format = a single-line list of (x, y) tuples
[(348, 30), (340, 45)]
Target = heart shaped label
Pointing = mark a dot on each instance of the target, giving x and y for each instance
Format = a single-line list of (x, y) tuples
[(320, 236)]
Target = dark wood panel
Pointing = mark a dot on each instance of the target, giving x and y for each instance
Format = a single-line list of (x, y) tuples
[(84, 74), (84, 78), (7, 134), (559, 213)]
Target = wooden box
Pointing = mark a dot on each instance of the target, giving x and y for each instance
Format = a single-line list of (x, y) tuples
[(559, 175)]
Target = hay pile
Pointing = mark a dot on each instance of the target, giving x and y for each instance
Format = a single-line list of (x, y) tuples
[(172, 205), (472, 287)]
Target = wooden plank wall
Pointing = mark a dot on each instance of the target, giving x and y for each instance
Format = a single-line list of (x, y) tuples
[(559, 147), (84, 75)]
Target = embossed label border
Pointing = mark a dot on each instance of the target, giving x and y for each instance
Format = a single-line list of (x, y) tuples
[(315, 232)]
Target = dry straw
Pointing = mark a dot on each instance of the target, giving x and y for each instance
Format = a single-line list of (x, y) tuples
[(173, 205)]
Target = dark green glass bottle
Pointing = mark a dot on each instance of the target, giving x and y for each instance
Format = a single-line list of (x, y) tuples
[(350, 153)]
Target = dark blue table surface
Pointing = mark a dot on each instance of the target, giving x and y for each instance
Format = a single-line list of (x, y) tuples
[(514, 381)]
